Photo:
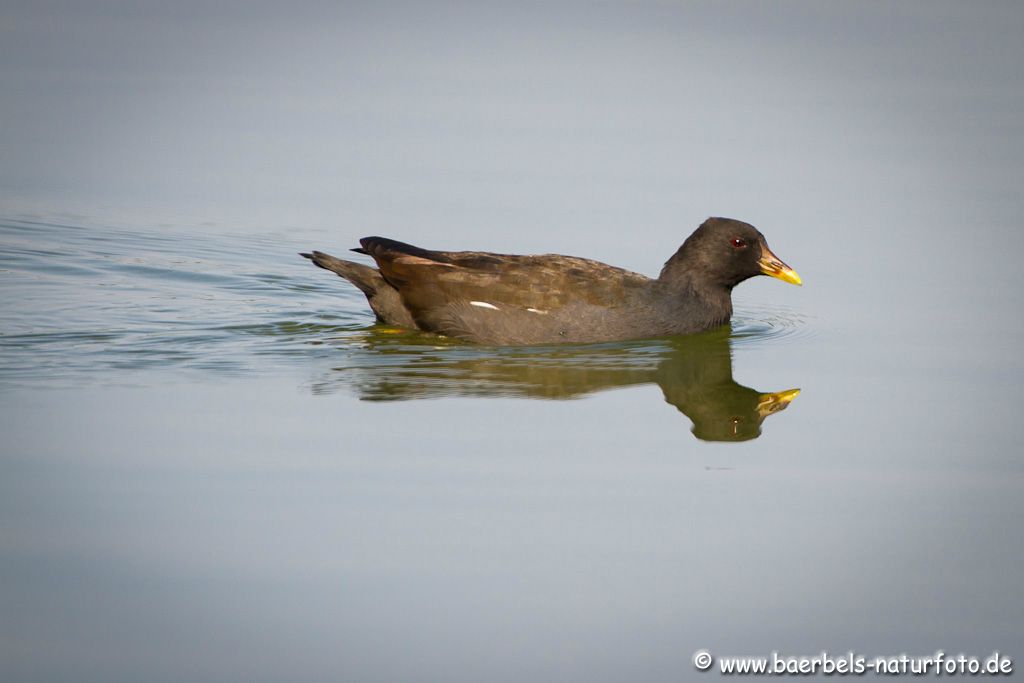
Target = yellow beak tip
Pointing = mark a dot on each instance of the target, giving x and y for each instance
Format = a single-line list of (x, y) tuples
[(787, 275), (788, 396)]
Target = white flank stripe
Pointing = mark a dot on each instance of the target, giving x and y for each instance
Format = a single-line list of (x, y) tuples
[(483, 304), (537, 310)]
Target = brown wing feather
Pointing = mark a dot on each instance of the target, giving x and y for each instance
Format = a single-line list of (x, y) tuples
[(429, 280)]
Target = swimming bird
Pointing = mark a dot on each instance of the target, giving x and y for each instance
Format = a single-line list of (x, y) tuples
[(504, 299)]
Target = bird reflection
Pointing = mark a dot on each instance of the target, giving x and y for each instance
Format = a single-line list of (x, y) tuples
[(694, 373)]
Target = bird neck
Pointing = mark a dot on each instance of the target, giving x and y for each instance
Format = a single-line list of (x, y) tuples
[(701, 304), (691, 275)]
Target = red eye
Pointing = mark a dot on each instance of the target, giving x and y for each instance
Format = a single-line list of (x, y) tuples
[(738, 243)]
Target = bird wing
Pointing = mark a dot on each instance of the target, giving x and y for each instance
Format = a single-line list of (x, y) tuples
[(429, 280)]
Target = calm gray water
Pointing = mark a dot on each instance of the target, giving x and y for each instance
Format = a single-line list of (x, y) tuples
[(215, 467)]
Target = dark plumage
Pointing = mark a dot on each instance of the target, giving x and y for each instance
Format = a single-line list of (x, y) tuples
[(506, 299)]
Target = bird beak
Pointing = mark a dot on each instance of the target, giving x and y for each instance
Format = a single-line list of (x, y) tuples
[(773, 403), (772, 265)]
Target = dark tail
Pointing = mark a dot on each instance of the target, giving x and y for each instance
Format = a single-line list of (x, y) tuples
[(367, 279), (383, 298)]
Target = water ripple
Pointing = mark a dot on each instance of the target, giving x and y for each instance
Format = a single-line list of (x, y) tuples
[(79, 301), (754, 325)]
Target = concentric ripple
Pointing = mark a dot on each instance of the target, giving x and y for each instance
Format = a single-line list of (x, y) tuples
[(760, 324)]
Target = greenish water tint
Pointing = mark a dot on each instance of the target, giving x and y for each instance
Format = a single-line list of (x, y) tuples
[(695, 375)]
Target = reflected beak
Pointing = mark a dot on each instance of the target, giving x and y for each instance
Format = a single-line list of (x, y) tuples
[(773, 403), (772, 265)]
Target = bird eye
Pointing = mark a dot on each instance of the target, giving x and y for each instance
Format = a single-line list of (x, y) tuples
[(738, 243)]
